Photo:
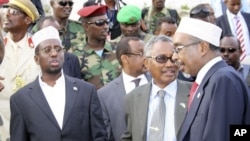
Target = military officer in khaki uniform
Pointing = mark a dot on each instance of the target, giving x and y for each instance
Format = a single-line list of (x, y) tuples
[(18, 66)]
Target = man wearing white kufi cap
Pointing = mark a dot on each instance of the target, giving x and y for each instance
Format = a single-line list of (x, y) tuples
[(219, 97), (55, 107)]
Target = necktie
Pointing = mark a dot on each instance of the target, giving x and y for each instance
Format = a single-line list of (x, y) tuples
[(156, 130), (240, 37), (191, 94), (137, 82)]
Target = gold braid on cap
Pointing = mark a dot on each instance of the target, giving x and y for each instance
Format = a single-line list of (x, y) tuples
[(25, 9)]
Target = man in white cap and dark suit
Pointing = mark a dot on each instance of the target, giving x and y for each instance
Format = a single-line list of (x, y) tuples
[(219, 97), (55, 107)]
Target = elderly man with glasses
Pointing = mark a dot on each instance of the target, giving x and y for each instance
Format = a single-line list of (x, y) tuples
[(155, 111), (218, 97), (230, 52), (98, 59)]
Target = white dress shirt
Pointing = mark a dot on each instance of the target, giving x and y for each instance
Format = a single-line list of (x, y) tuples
[(232, 24), (129, 85), (55, 97), (169, 99)]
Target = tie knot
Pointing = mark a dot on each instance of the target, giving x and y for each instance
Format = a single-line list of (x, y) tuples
[(136, 81), (161, 93)]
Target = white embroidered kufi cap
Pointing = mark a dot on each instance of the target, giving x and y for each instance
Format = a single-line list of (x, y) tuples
[(203, 30), (46, 33)]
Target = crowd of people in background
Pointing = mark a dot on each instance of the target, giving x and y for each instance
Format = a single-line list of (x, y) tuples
[(121, 73)]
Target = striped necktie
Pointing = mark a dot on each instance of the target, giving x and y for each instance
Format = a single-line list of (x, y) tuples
[(240, 37)]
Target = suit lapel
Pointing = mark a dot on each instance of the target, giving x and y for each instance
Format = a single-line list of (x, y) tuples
[(180, 104), (198, 98), (71, 94), (120, 91), (142, 105), (38, 96)]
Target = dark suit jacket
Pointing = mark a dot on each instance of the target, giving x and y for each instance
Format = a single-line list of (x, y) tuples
[(112, 100), (222, 99), (39, 7), (223, 23), (71, 65), (33, 120), (136, 110)]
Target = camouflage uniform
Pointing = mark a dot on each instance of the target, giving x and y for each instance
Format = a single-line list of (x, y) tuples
[(99, 70), (150, 21), (143, 36)]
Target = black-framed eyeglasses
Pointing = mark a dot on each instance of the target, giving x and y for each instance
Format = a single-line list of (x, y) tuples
[(48, 50), (99, 22), (162, 59), (229, 50), (178, 48), (135, 54), (64, 3)]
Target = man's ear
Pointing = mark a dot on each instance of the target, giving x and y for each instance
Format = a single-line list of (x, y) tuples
[(37, 60), (146, 63), (28, 20)]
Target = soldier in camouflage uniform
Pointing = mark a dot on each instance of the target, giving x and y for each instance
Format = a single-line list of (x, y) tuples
[(72, 31), (129, 18), (157, 10), (99, 63)]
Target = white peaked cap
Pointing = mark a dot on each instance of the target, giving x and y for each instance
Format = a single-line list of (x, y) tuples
[(46, 33), (203, 30)]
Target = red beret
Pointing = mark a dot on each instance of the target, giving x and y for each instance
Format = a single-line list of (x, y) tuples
[(3, 1), (91, 11)]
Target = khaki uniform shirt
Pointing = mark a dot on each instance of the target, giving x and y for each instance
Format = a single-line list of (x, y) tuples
[(18, 68)]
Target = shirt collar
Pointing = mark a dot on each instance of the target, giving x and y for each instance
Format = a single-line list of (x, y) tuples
[(203, 71), (170, 89)]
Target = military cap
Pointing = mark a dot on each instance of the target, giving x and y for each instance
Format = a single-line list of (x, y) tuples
[(93, 10), (26, 6), (129, 14)]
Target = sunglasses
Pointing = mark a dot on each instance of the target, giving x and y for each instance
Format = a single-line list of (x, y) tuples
[(200, 10), (48, 50), (99, 22), (229, 50), (162, 59), (64, 3)]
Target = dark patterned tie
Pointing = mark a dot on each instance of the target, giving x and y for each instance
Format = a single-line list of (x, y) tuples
[(156, 129), (137, 82)]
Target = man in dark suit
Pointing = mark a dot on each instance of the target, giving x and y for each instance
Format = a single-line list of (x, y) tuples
[(129, 53), (228, 23), (140, 104), (221, 98), (55, 107)]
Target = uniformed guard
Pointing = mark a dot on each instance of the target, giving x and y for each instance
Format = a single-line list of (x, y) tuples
[(18, 66), (129, 18), (99, 63)]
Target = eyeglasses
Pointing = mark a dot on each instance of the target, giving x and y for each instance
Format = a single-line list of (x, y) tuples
[(162, 59), (64, 3), (11, 11), (48, 50), (99, 22), (229, 50), (178, 48), (135, 54)]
